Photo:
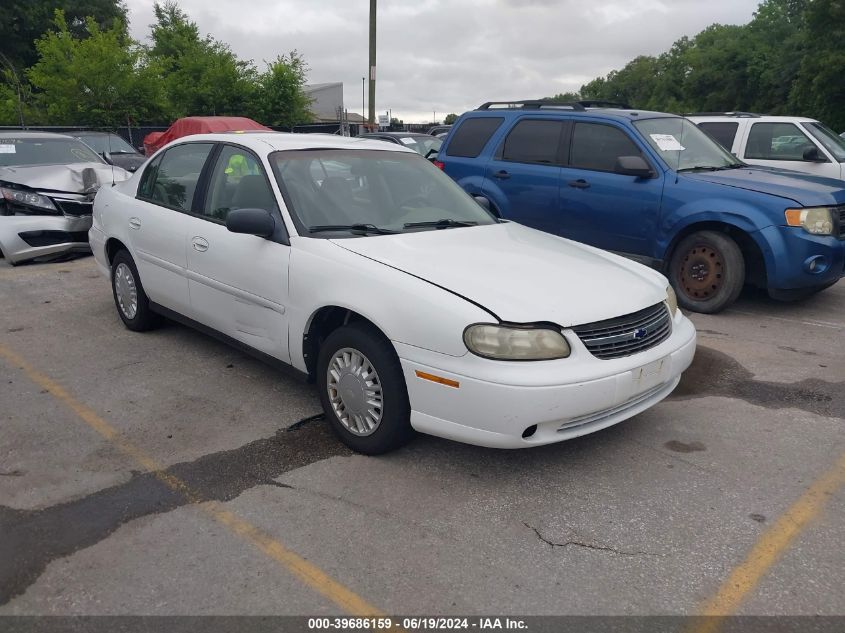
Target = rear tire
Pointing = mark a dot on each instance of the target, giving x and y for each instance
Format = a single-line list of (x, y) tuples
[(362, 389), (132, 303), (707, 271)]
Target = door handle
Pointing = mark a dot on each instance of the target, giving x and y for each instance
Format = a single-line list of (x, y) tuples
[(134, 223), (501, 175), (200, 244), (579, 184)]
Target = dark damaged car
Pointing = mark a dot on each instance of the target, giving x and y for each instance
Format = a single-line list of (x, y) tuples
[(47, 187)]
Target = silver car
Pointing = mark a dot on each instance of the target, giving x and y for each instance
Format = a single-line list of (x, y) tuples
[(47, 187)]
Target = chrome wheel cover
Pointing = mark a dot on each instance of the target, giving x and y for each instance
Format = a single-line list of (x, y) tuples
[(125, 291), (354, 390)]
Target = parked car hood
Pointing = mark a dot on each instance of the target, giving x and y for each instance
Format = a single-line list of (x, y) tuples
[(804, 189), (75, 178), (519, 274)]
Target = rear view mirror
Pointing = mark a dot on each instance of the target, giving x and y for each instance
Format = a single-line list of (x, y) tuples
[(633, 166), (812, 155), (251, 222)]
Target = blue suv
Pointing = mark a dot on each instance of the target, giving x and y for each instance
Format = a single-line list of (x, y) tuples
[(656, 188)]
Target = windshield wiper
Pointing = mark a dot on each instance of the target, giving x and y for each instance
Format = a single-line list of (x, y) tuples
[(443, 223), (362, 228), (712, 167)]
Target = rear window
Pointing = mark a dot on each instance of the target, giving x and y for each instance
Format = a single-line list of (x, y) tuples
[(724, 133), (472, 135), (533, 142)]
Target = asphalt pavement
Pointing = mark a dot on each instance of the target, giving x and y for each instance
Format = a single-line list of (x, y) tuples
[(166, 473)]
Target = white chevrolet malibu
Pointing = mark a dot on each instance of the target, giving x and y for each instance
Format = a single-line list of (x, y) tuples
[(365, 268)]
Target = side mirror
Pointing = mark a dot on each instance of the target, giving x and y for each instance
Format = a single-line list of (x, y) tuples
[(482, 202), (633, 166), (812, 155), (432, 154), (251, 221)]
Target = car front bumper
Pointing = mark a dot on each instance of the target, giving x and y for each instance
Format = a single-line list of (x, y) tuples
[(27, 237), (496, 401), (791, 250)]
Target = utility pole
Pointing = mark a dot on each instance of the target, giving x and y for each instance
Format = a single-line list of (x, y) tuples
[(372, 113), (363, 100)]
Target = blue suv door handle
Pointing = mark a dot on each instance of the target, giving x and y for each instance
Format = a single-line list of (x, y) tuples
[(579, 184), (501, 175)]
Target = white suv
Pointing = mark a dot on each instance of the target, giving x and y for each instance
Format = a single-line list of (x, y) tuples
[(786, 142)]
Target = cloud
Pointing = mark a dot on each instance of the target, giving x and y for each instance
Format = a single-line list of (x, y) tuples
[(451, 55)]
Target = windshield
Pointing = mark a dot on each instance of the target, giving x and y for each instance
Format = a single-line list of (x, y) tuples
[(827, 137), (683, 146), (422, 144), (382, 191), (111, 143), (45, 151)]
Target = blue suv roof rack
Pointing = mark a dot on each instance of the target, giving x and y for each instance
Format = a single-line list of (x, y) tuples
[(530, 104)]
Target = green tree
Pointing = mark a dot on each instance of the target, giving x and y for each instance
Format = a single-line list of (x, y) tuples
[(25, 21), (101, 80), (201, 76), (819, 89), (280, 97), (450, 119)]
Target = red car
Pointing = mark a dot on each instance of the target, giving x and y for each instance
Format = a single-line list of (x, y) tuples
[(199, 125)]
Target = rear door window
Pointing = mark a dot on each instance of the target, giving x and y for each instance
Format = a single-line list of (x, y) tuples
[(723, 132), (597, 147), (533, 141), (472, 135), (177, 176)]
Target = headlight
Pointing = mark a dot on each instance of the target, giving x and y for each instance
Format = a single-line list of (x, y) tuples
[(671, 300), (514, 342), (817, 220), (28, 198)]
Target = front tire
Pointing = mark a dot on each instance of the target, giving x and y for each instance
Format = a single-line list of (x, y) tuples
[(132, 303), (707, 271), (362, 390)]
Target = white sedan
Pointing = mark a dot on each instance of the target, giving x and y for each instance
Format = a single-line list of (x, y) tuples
[(367, 269)]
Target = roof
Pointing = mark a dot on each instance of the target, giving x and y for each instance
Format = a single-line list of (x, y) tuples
[(265, 142), (316, 87), (91, 133), (615, 113), (758, 118), (31, 134), (397, 134)]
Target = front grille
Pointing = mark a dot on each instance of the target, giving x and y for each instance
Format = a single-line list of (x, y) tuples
[(626, 335), (842, 221), (73, 207)]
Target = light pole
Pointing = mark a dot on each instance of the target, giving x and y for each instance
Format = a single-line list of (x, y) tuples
[(17, 87)]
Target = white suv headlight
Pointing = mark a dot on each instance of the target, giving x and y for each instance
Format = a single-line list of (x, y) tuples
[(515, 342), (815, 220)]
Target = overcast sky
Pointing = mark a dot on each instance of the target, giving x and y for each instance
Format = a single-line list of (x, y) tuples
[(451, 55)]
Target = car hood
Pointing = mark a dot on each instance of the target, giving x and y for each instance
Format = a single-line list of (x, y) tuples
[(75, 178), (519, 274), (804, 189)]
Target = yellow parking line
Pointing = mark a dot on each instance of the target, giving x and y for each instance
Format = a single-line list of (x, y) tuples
[(770, 547), (305, 572)]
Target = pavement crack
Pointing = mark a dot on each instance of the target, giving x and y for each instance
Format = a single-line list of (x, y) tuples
[(591, 546)]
